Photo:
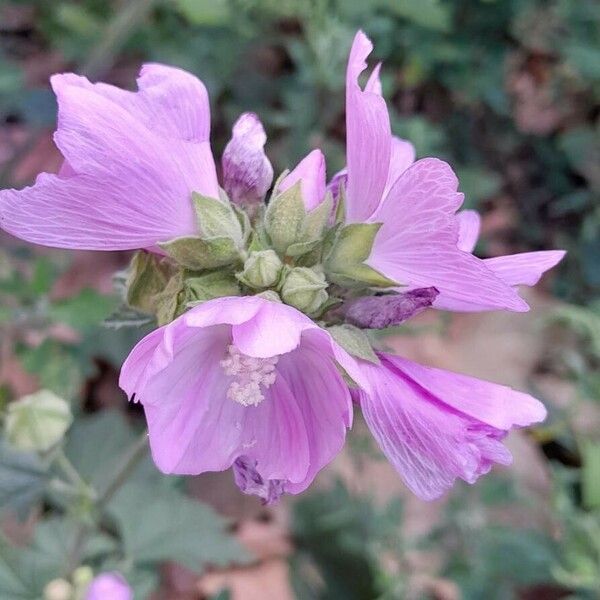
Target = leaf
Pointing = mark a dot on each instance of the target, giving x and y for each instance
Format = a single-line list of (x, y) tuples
[(430, 14), (590, 474), (204, 12), (198, 254), (83, 311), (209, 286), (284, 218), (161, 523), (125, 316), (148, 276), (23, 480), (216, 218), (354, 341)]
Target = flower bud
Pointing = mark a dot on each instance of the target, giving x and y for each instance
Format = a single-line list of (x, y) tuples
[(38, 421), (261, 269), (58, 589), (109, 585), (304, 289)]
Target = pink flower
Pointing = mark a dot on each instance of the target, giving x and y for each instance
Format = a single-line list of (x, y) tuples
[(109, 586), (132, 161), (435, 426), (417, 244), (310, 171), (247, 382)]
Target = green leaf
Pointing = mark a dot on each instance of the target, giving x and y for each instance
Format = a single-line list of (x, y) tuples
[(590, 474), (430, 14), (204, 12), (284, 218), (24, 479), (354, 341), (198, 254), (83, 311), (216, 218), (160, 523), (209, 286)]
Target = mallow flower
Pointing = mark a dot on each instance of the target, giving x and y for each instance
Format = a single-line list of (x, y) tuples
[(264, 305), (109, 586), (247, 383), (415, 203)]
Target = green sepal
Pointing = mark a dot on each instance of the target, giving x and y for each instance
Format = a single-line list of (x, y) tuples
[(198, 254), (301, 248), (354, 341), (284, 218), (317, 219), (340, 209), (200, 288), (345, 261), (168, 302), (217, 219), (147, 276)]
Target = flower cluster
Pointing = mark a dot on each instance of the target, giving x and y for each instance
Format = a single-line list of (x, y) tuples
[(264, 303)]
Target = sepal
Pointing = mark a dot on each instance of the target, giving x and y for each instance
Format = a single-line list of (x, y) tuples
[(197, 254), (354, 341)]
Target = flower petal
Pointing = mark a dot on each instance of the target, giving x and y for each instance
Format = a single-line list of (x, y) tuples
[(402, 156), (310, 171), (526, 268), (417, 243), (428, 440), (469, 224), (247, 172), (133, 160), (368, 137)]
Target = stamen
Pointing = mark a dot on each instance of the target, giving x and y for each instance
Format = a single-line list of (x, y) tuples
[(252, 376)]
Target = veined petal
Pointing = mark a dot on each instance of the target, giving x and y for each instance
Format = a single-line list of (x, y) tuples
[(417, 242), (469, 225), (133, 160), (402, 156), (247, 172), (429, 440), (368, 137), (310, 171), (526, 268)]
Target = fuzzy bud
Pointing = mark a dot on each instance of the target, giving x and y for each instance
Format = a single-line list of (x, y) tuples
[(38, 421), (58, 589), (261, 269), (304, 289)]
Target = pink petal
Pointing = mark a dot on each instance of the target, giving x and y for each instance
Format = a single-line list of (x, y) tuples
[(402, 156), (368, 137), (469, 224), (526, 268), (432, 441), (133, 160), (417, 243), (310, 171), (176, 374), (109, 585), (247, 172)]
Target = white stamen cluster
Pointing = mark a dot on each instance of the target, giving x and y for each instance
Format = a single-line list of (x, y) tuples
[(252, 376)]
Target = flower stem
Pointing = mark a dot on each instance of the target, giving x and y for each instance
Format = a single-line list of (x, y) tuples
[(130, 460)]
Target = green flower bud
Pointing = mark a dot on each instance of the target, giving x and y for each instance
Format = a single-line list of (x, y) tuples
[(270, 295), (261, 269), (304, 289), (38, 421)]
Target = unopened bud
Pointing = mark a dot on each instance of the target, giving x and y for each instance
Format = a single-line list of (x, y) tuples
[(261, 269), (304, 289), (38, 421), (58, 589)]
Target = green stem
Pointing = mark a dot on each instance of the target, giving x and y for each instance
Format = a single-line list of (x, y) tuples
[(130, 461), (72, 474)]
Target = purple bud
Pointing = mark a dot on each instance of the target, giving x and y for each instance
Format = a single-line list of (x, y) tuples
[(250, 481), (379, 312), (109, 585), (310, 171), (247, 172), (339, 179)]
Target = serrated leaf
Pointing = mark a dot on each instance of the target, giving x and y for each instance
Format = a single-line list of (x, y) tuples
[(354, 341), (158, 524), (216, 218), (198, 254), (284, 218), (24, 479), (85, 310)]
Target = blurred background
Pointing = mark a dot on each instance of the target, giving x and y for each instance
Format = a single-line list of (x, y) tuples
[(507, 91)]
